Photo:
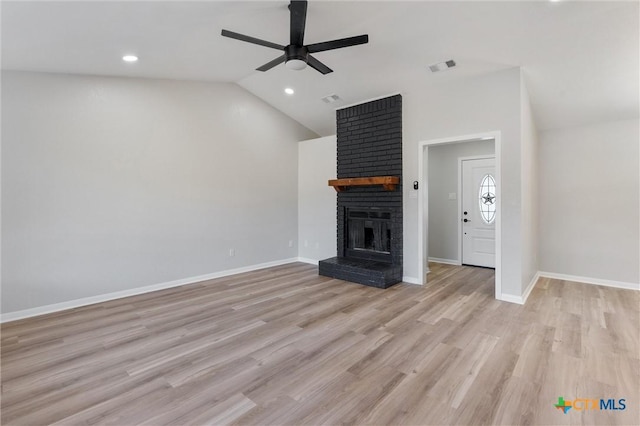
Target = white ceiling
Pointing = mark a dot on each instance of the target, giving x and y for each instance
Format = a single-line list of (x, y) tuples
[(581, 59)]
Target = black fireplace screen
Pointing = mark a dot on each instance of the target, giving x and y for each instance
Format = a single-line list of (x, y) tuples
[(369, 231)]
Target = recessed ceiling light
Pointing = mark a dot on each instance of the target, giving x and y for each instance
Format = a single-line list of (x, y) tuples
[(289, 91), (129, 58)]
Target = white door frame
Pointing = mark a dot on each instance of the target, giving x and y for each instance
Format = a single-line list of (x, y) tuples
[(423, 200), (460, 225)]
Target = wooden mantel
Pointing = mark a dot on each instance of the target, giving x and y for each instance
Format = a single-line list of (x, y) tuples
[(388, 182)]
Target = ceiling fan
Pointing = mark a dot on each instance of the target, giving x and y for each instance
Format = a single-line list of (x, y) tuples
[(296, 55)]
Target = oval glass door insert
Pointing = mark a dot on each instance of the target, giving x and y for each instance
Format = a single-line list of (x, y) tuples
[(487, 199)]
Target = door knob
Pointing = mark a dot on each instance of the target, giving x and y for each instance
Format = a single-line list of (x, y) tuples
[(466, 220)]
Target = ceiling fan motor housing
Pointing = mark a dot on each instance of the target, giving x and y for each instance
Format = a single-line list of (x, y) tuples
[(296, 52)]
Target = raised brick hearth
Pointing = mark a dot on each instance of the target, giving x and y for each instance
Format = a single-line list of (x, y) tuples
[(369, 234)]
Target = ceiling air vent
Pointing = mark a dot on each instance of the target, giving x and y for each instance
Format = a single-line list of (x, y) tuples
[(329, 99), (442, 65)]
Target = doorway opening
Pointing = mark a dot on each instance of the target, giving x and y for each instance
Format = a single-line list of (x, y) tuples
[(459, 205)]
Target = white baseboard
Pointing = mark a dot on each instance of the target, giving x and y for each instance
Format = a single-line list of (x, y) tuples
[(445, 261), (588, 280), (47, 309), (521, 300), (511, 298), (411, 280), (532, 284), (41, 310)]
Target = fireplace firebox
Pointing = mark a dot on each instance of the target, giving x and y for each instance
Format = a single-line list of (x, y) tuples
[(369, 235)]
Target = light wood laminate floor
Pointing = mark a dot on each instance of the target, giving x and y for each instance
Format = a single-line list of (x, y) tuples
[(286, 346)]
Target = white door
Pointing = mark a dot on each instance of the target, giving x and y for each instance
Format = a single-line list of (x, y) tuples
[(478, 212)]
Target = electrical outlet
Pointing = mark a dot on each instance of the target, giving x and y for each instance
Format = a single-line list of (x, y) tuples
[(290, 243), (232, 252), (317, 245)]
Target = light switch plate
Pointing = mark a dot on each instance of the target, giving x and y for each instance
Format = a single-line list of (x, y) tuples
[(452, 195)]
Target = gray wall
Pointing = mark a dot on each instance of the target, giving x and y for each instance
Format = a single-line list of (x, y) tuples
[(589, 201), (316, 199), (110, 184), (443, 180), (530, 195), (471, 106)]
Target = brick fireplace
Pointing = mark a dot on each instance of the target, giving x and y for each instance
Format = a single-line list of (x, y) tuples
[(369, 234)]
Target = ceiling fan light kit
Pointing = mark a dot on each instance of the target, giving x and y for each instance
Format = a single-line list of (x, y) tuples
[(295, 64), (296, 55)]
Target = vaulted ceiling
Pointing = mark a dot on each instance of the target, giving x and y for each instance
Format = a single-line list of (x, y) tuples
[(580, 59)]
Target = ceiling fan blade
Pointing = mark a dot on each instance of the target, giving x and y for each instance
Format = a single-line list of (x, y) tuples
[(253, 40), (271, 64), (338, 44), (298, 10), (317, 65)]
